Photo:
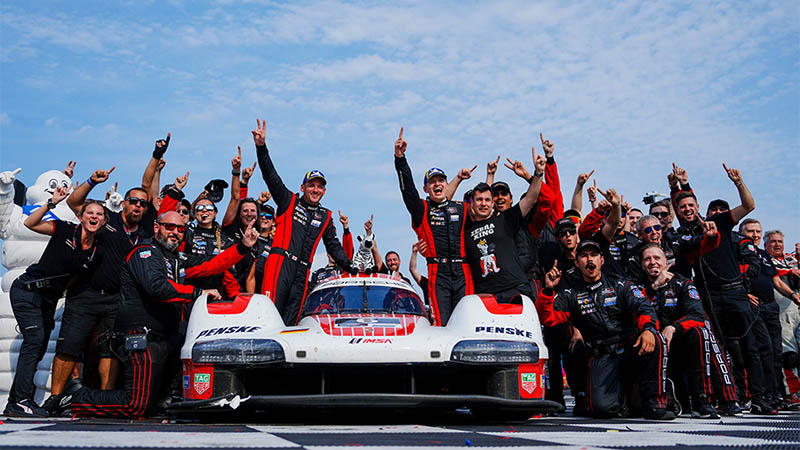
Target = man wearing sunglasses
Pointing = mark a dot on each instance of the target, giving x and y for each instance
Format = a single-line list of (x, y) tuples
[(301, 223), (153, 279), (663, 212)]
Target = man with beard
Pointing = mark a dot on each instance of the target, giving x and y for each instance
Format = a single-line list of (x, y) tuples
[(719, 280), (605, 225), (152, 279), (682, 321), (489, 239), (681, 253), (440, 223), (609, 314), (301, 223)]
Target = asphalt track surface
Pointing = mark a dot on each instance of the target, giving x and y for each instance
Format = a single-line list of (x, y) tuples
[(457, 430)]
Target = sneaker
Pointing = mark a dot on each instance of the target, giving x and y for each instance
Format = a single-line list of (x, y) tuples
[(762, 408), (658, 414), (730, 409), (747, 406), (674, 404), (57, 404), (701, 409), (24, 408)]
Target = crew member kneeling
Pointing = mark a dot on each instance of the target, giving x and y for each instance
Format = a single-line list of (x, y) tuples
[(604, 310), (147, 324)]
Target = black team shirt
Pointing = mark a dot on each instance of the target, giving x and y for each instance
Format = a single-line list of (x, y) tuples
[(492, 253)]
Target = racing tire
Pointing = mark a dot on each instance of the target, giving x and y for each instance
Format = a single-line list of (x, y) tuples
[(500, 415)]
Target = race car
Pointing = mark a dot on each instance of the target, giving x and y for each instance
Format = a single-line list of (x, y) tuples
[(365, 341)]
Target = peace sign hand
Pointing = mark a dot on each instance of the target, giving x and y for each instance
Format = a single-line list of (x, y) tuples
[(518, 168), (69, 171), (260, 133), (400, 145)]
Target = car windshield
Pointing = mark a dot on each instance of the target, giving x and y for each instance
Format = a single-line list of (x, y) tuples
[(363, 299)]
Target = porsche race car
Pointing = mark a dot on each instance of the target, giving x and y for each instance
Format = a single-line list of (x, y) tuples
[(365, 341)]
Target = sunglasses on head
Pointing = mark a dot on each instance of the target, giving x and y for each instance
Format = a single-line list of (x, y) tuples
[(173, 227), (136, 201), (200, 208), (567, 232), (267, 215), (183, 211), (660, 214), (649, 230)]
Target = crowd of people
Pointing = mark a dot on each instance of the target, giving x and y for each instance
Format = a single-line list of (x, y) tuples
[(699, 317)]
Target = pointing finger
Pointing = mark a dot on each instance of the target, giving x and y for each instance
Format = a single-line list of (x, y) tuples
[(590, 174), (726, 167), (497, 161), (401, 133), (168, 136), (111, 170), (473, 169), (240, 151), (555, 264), (115, 186), (541, 138)]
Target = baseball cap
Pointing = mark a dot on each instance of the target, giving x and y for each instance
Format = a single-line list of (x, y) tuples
[(433, 171), (267, 209), (720, 204), (587, 244), (216, 188), (166, 189), (562, 223), (314, 174), (499, 186)]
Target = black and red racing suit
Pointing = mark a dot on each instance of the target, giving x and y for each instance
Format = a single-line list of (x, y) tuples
[(152, 280), (441, 226), (610, 313), (299, 226)]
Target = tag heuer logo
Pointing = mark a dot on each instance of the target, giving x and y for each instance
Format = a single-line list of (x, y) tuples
[(202, 381), (528, 382)]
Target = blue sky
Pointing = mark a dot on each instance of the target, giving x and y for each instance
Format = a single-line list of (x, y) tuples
[(624, 88)]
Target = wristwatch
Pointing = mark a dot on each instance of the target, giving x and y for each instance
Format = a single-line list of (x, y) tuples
[(50, 203)]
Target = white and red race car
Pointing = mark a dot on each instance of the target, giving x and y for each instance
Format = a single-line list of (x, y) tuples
[(365, 341)]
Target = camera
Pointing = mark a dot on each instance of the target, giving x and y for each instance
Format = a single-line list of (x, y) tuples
[(652, 197)]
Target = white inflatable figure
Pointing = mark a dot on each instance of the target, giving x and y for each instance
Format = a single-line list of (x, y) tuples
[(114, 202), (21, 248)]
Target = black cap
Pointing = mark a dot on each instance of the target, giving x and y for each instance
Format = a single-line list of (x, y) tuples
[(265, 208), (500, 185), (216, 188), (468, 196), (166, 189), (186, 203), (586, 244), (562, 223), (719, 203)]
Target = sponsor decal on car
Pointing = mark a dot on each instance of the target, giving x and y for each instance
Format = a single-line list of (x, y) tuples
[(373, 322), (228, 330), (505, 330), (528, 382), (299, 330), (369, 341), (202, 382)]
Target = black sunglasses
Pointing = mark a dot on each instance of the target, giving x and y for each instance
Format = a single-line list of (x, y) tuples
[(567, 232), (649, 230), (173, 227), (184, 211), (136, 201), (660, 214)]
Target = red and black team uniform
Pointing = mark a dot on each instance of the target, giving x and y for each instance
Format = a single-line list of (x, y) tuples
[(299, 227), (610, 314), (152, 280), (441, 225), (694, 350)]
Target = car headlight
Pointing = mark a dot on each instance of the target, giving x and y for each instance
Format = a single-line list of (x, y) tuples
[(491, 351), (237, 351)]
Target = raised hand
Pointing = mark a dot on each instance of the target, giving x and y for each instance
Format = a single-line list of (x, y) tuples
[(100, 176), (539, 162), (518, 168), (250, 235), (680, 174), (673, 182), (161, 164), (491, 166), (368, 225), (61, 193), (400, 145), (625, 205), (161, 147), (465, 173), (181, 181), (247, 173), (260, 133), (236, 162), (548, 146), (591, 191), (344, 220), (611, 195), (553, 276), (110, 192), (584, 177), (264, 197), (7, 177), (709, 228), (603, 207), (733, 174), (69, 171), (422, 246)]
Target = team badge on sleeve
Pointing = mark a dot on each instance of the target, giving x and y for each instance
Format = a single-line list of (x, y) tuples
[(693, 293)]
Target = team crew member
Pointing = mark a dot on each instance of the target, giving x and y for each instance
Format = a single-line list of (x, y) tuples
[(762, 286), (440, 223), (34, 294), (301, 222), (682, 321), (489, 238), (719, 280), (610, 314), (266, 222), (152, 279)]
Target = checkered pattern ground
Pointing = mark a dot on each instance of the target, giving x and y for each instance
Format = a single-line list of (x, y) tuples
[(781, 432)]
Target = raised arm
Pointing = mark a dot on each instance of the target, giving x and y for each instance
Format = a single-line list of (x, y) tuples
[(577, 194), (491, 169), (78, 196), (233, 203), (615, 216), (34, 221), (452, 187), (154, 166), (412, 264), (552, 179), (280, 193), (414, 204), (534, 185), (748, 204)]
